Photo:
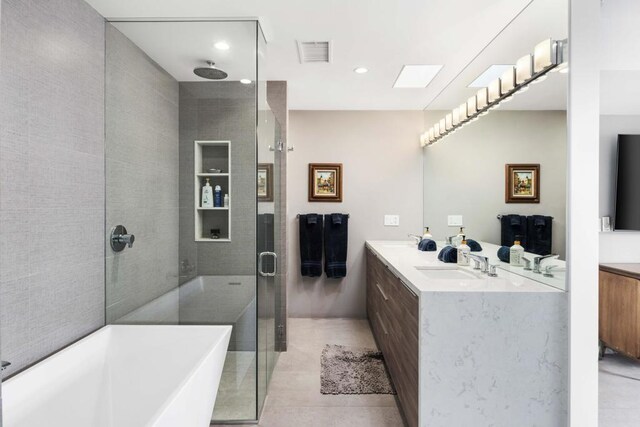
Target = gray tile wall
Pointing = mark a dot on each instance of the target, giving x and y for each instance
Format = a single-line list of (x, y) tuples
[(51, 176), (142, 176), (220, 111)]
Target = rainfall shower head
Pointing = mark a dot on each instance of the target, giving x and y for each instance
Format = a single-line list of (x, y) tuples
[(210, 72)]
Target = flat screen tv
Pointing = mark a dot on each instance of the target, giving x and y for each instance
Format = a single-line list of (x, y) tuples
[(628, 183)]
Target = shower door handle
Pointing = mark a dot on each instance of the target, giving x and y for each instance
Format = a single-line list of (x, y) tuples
[(275, 264)]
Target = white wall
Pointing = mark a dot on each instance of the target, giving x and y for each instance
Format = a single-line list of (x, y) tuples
[(382, 165), (582, 237), (465, 173)]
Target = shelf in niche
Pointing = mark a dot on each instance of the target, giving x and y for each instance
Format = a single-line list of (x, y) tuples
[(212, 174), (212, 155)]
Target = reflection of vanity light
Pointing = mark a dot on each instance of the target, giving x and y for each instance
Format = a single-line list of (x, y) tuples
[(448, 121), (462, 112), (524, 69), (455, 117), (548, 56), (544, 55), (482, 98), (494, 90), (565, 70), (471, 106)]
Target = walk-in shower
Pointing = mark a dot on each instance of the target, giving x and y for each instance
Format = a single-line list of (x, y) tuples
[(169, 131)]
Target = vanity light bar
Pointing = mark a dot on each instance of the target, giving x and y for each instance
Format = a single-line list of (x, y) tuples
[(547, 56)]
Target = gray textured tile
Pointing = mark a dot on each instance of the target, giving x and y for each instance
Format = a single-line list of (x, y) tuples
[(51, 175), (59, 237), (14, 251), (14, 303)]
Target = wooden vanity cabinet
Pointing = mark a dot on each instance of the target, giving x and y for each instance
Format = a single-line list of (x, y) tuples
[(393, 312), (619, 308)]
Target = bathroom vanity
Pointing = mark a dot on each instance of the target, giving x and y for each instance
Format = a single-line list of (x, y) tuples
[(464, 348)]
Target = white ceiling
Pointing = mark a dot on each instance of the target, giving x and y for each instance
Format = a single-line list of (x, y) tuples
[(380, 35)]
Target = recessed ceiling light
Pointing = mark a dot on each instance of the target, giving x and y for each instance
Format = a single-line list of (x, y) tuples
[(361, 70), (222, 45), (245, 81), (416, 76), (489, 75)]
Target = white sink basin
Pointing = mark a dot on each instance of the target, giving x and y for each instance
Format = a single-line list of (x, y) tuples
[(447, 273)]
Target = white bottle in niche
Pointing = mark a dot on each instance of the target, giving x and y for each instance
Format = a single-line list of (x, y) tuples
[(515, 254), (207, 195), (226, 200)]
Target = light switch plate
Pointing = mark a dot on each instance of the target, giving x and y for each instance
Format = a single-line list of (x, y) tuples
[(392, 220), (454, 221)]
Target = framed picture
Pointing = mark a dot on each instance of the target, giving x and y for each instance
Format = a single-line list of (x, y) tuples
[(325, 182), (522, 183), (265, 182)]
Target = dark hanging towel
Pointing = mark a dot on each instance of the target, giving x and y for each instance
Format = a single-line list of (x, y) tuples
[(335, 245), (513, 227), (265, 239), (310, 226), (539, 234)]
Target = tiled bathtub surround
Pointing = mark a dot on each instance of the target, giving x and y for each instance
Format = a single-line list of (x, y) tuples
[(51, 176), (142, 176)]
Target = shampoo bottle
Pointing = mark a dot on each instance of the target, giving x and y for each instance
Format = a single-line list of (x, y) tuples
[(207, 195), (463, 252), (515, 254), (226, 200), (427, 234), (217, 197)]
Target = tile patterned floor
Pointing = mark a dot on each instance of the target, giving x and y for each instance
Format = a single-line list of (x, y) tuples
[(619, 390), (294, 395)]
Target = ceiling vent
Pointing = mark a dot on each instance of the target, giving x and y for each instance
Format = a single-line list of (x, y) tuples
[(314, 51)]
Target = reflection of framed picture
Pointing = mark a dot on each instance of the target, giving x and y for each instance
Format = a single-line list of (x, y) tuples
[(325, 182), (265, 182), (522, 183)]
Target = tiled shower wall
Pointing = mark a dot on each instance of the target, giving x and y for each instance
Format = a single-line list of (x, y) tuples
[(51, 176), (220, 111), (142, 179)]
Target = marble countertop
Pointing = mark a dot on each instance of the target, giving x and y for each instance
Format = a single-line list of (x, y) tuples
[(402, 258)]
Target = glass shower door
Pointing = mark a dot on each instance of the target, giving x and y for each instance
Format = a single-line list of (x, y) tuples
[(268, 228)]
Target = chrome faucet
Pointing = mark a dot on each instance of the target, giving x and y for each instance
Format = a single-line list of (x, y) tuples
[(483, 261), (537, 261), (550, 269), (449, 239), (527, 263), (415, 237)]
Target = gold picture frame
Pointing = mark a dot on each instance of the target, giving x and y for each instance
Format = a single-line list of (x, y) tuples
[(522, 183), (325, 182), (265, 182)]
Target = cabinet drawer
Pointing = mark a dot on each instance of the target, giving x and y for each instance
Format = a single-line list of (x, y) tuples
[(393, 311), (619, 313)]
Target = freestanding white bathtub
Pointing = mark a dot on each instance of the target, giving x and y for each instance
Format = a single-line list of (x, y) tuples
[(123, 376)]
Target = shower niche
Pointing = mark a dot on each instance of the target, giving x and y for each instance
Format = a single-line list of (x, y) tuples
[(212, 161)]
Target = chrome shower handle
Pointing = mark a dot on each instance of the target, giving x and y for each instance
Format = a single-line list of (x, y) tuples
[(120, 238), (275, 264)]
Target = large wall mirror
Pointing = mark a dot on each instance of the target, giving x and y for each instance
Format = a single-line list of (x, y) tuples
[(505, 173)]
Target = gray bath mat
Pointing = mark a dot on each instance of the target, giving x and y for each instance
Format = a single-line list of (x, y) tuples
[(353, 370)]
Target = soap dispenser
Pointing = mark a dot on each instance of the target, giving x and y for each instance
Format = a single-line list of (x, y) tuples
[(427, 234), (207, 195), (456, 241), (516, 253), (463, 252)]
